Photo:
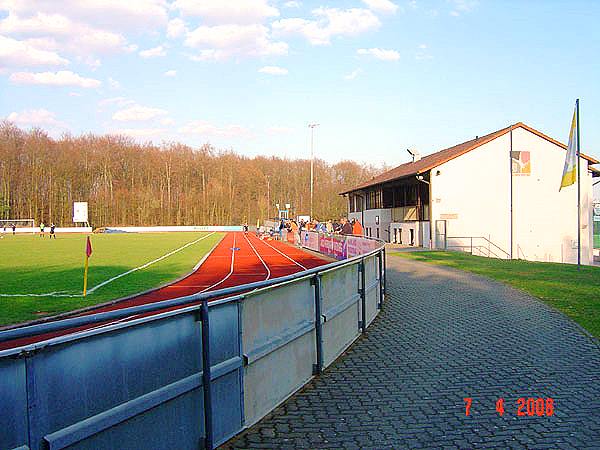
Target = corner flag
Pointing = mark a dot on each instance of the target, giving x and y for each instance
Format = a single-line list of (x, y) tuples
[(88, 253), (88, 248), (570, 170)]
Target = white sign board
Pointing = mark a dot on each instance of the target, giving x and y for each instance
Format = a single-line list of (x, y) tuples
[(80, 212)]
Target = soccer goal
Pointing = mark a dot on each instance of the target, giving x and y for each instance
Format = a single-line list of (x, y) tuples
[(21, 225)]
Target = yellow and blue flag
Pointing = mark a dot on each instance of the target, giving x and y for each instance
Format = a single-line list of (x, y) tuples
[(569, 176)]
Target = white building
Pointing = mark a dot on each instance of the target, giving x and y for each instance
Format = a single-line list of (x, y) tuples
[(496, 195)]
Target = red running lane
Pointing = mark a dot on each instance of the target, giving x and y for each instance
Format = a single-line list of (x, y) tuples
[(237, 259)]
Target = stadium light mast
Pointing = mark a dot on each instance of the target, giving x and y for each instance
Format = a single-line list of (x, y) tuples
[(312, 127)]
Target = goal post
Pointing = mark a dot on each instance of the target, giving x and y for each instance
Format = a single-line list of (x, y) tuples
[(21, 225)]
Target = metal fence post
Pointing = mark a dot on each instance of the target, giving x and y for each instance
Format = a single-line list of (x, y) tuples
[(384, 273), (318, 367), (380, 262), (208, 431), (363, 295), (471, 245)]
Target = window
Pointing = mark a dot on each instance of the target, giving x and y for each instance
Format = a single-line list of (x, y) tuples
[(355, 202), (374, 199), (388, 198), (377, 229)]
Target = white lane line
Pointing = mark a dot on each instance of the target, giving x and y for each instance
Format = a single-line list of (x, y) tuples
[(49, 294), (230, 270), (136, 315), (143, 266), (259, 257), (281, 253)]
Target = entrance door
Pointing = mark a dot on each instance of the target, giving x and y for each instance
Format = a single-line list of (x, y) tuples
[(440, 234)]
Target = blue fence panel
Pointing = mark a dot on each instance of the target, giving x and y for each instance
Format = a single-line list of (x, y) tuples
[(226, 370), (140, 383), (13, 403)]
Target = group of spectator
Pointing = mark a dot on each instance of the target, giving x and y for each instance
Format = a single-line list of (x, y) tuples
[(343, 226)]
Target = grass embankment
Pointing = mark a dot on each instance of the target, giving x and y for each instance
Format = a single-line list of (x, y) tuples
[(33, 265), (575, 293)]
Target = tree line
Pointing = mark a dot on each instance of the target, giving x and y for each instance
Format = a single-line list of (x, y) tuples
[(128, 183)]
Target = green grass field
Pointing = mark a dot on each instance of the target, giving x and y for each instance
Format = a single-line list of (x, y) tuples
[(575, 293), (33, 265), (597, 241)]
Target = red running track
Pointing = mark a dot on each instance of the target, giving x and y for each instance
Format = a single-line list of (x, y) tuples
[(238, 259)]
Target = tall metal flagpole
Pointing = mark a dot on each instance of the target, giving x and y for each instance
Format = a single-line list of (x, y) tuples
[(312, 127), (578, 192), (511, 193)]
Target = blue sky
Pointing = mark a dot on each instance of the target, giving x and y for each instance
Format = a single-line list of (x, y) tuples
[(249, 75)]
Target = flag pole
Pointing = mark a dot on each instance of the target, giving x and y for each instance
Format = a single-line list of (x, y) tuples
[(85, 272), (578, 192), (88, 253), (510, 153)]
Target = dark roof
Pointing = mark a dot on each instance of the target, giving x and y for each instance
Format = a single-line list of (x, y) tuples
[(436, 159)]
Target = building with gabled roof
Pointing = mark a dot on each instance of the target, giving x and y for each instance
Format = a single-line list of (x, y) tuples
[(495, 195)]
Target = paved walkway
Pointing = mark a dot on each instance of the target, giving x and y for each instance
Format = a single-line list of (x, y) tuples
[(444, 335)]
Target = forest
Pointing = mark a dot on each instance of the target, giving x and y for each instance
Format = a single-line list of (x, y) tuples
[(128, 183)]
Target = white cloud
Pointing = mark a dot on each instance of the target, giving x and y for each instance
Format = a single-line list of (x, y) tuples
[(117, 101), (167, 121), (422, 53), (273, 70), (106, 14), (240, 12), (380, 53), (36, 118), (153, 52), (140, 132), (462, 6), (56, 32), (176, 28), (170, 73), (330, 22), (280, 130), (14, 53), (74, 94), (138, 113), (205, 128), (352, 75), (60, 78), (381, 6), (292, 4), (225, 41), (114, 84)]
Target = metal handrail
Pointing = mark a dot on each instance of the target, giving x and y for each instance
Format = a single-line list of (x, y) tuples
[(476, 237), (59, 325)]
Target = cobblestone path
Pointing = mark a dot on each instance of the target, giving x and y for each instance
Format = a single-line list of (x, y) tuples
[(444, 335)]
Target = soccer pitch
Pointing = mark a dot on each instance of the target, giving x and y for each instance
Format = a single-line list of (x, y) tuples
[(31, 265)]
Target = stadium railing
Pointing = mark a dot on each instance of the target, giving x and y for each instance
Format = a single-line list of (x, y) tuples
[(188, 372)]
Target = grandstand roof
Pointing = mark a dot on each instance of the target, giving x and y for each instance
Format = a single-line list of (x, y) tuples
[(436, 159)]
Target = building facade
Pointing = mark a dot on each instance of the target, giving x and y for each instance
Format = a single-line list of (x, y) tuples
[(496, 195)]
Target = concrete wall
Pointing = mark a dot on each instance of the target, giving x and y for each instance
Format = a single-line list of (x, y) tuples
[(472, 193), (385, 218), (400, 233)]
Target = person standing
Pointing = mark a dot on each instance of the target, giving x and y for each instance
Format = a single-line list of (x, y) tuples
[(357, 228), (14, 228), (52, 227), (42, 228), (346, 227)]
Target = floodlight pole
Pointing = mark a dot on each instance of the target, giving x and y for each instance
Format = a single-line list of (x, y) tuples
[(312, 127)]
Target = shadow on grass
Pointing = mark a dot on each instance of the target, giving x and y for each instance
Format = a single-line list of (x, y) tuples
[(38, 308)]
